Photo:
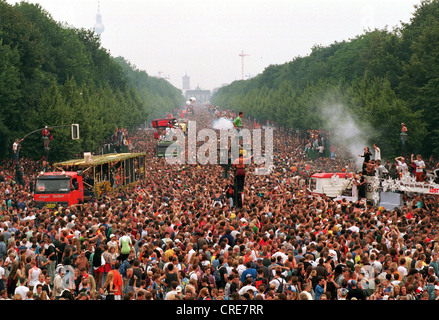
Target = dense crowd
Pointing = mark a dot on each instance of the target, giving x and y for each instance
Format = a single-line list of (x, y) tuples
[(118, 142), (178, 236)]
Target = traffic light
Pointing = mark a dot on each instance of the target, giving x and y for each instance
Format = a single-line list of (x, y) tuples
[(75, 131)]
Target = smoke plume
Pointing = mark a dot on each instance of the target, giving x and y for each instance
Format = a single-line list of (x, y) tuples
[(352, 134), (222, 124)]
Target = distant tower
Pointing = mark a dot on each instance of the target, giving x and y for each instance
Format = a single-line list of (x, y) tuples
[(186, 82), (99, 27), (242, 55)]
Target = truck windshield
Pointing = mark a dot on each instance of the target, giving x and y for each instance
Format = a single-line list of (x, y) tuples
[(52, 186)]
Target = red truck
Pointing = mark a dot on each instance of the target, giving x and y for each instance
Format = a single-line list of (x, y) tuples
[(78, 180), (54, 189)]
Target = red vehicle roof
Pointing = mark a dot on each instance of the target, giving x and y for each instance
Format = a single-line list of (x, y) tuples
[(162, 123), (167, 119), (60, 173), (328, 175)]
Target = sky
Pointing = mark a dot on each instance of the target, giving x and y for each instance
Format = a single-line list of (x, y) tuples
[(204, 38)]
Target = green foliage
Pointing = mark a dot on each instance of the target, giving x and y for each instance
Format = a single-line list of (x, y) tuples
[(158, 95), (381, 79), (55, 75)]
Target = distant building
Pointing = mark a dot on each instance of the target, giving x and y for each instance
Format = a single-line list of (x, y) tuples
[(202, 96), (186, 82)]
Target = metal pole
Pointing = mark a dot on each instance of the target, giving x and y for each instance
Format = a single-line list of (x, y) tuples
[(41, 129), (68, 125)]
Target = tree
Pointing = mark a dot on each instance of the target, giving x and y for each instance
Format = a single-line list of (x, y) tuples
[(379, 79)]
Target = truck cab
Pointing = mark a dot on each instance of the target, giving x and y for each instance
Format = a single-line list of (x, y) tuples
[(54, 189)]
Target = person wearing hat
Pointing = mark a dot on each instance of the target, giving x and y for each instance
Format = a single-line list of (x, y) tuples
[(179, 290), (387, 293), (343, 294), (113, 241), (436, 292)]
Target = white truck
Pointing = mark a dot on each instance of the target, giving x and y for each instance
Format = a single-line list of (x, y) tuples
[(384, 192)]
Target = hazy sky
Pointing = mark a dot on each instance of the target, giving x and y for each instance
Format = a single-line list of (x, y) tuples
[(204, 38)]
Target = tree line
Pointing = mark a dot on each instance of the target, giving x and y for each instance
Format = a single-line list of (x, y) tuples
[(53, 74), (380, 79)]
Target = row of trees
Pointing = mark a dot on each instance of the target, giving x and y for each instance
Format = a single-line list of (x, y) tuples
[(378, 80), (53, 74)]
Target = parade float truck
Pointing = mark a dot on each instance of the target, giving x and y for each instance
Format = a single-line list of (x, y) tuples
[(385, 192), (75, 181), (162, 126)]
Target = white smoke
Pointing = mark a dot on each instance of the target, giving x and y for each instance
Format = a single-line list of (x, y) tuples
[(346, 131), (222, 124)]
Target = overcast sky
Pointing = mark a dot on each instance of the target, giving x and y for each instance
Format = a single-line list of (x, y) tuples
[(204, 38)]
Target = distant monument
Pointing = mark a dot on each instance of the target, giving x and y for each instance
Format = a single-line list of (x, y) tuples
[(99, 27), (202, 96)]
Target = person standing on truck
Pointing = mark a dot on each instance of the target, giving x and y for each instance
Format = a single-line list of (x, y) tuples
[(355, 183), (402, 166), (377, 152), (237, 124), (366, 155), (361, 186), (420, 166)]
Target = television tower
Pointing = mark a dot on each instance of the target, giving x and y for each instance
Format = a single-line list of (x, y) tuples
[(99, 27), (242, 55)]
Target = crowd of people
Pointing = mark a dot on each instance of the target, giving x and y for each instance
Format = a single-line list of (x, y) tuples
[(118, 142), (177, 236)]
